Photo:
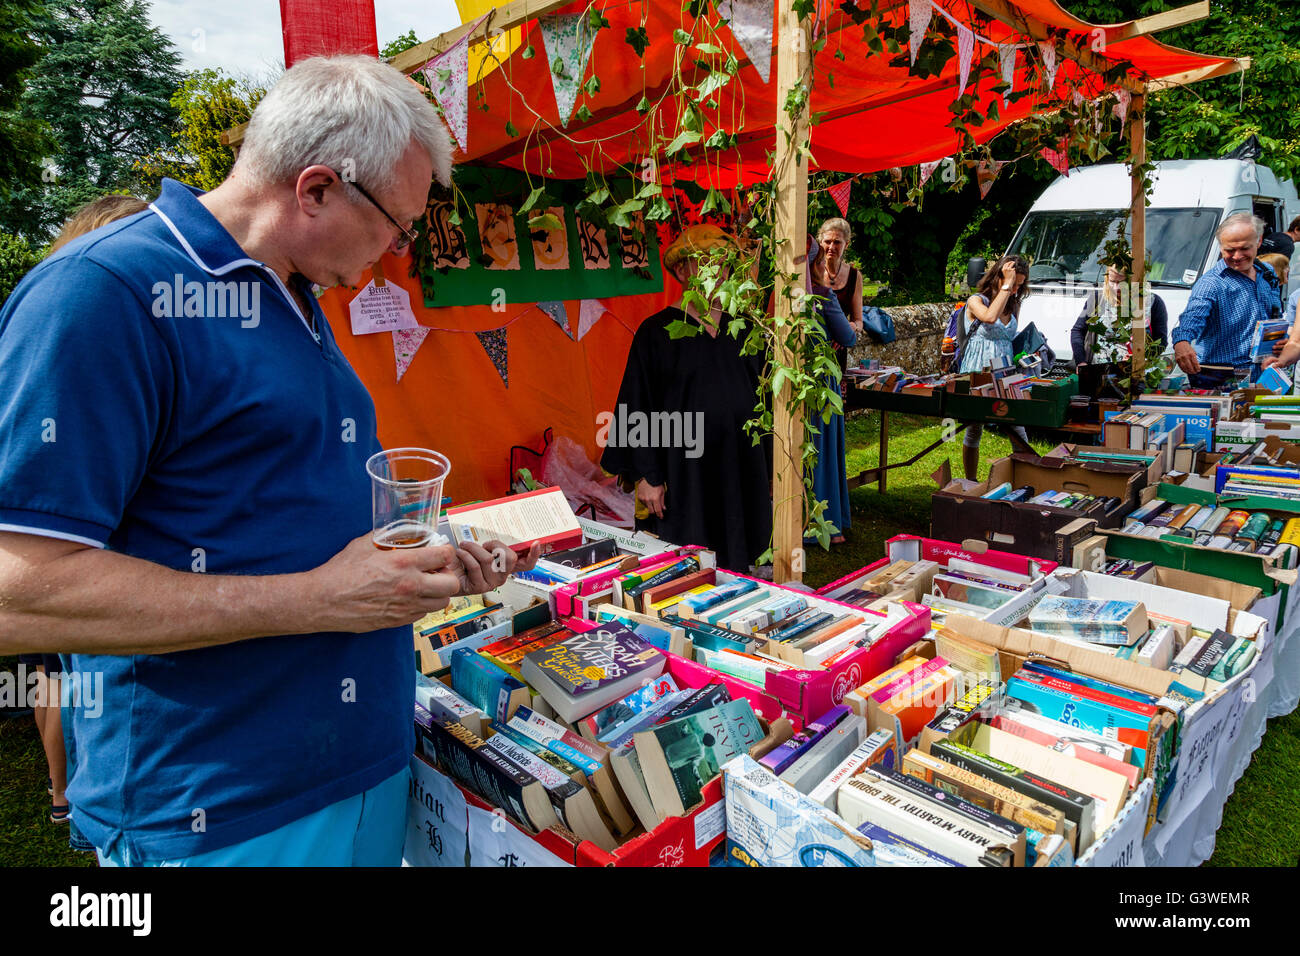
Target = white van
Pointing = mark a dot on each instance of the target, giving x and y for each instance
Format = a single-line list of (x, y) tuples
[(1064, 232)]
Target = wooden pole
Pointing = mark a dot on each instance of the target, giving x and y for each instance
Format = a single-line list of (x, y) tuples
[(790, 232), (1137, 137)]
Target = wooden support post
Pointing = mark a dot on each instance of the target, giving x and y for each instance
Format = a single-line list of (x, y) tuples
[(790, 232), (1137, 298)]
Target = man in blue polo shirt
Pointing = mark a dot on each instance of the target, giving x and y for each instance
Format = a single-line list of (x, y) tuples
[(184, 504), (1217, 325)]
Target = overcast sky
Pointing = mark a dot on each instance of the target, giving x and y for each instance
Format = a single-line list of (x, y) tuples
[(243, 36)]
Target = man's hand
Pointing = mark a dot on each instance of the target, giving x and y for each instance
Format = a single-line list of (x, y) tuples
[(652, 495), (484, 567), (1185, 356), (364, 589)]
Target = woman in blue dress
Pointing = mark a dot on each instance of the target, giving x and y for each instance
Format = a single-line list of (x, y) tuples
[(991, 318), (830, 480)]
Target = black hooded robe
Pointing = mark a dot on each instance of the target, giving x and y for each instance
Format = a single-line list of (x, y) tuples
[(691, 398)]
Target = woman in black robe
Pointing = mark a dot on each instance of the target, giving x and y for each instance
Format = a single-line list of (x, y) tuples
[(678, 431)]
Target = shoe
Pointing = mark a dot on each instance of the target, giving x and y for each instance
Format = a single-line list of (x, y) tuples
[(60, 813), (78, 842), (837, 539)]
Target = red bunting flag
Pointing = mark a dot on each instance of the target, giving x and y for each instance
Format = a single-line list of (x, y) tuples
[(840, 193)]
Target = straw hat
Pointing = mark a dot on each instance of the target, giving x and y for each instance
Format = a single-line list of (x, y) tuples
[(694, 240)]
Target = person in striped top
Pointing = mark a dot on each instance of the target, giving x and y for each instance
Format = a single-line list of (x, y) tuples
[(1216, 326)]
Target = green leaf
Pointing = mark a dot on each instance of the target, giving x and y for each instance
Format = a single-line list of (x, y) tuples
[(620, 215), (557, 66), (681, 38), (545, 221), (643, 106), (454, 218), (712, 83), (598, 196), (659, 210), (709, 48), (596, 20), (531, 201), (839, 54), (636, 38), (583, 114), (683, 140), (528, 53), (592, 86), (510, 129)]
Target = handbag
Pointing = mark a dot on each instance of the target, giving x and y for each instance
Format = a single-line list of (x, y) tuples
[(877, 322)]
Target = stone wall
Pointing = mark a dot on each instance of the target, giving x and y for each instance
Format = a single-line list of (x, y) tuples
[(919, 333)]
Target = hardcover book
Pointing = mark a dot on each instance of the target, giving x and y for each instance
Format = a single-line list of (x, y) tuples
[(625, 708)]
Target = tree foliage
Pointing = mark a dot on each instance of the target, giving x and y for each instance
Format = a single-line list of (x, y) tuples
[(23, 139), (399, 45), (104, 87), (207, 104)]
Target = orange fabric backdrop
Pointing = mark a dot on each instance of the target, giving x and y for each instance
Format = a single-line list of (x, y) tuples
[(451, 398)]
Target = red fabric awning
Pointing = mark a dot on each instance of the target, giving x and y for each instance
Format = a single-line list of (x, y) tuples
[(876, 115)]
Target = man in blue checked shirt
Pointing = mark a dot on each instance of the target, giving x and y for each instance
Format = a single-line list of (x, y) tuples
[(1226, 302)]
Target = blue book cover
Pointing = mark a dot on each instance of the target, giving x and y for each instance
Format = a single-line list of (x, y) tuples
[(634, 703), (620, 734), (1078, 711), (890, 849), (482, 683), (1092, 682)]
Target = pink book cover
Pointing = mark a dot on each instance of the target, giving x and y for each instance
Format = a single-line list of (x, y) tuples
[(1079, 751)]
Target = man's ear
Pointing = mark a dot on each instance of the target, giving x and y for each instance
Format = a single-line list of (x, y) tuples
[(312, 188)]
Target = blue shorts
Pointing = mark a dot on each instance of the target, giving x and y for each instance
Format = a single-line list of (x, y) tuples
[(365, 830)]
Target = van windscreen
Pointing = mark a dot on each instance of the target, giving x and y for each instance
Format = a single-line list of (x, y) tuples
[(1066, 246)]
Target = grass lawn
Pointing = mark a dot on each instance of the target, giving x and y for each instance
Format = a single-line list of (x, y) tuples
[(1259, 826)]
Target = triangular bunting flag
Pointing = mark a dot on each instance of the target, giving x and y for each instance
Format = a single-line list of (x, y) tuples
[(1058, 161), (567, 42), (592, 310), (751, 25), (406, 342), (927, 170), (1048, 49), (840, 193), (447, 76), (1122, 98), (918, 19), (1007, 67), (494, 343), (557, 312), (965, 46), (986, 172)]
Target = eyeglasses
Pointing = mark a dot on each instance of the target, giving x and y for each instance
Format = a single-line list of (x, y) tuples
[(407, 235)]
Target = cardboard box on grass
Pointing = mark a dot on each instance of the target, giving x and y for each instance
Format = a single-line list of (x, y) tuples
[(1151, 474), (960, 512), (1173, 551)]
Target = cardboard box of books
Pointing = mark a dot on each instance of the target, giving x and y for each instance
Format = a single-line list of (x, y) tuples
[(1102, 492), (534, 774), (803, 650), (1150, 464), (1147, 538), (581, 598), (1045, 407), (995, 585)]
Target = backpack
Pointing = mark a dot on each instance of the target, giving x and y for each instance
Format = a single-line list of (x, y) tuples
[(954, 340)]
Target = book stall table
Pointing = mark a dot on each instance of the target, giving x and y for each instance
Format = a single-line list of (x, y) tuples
[(1046, 408), (955, 653)]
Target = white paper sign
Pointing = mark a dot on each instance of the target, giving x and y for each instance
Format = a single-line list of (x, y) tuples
[(381, 308), (436, 823), (1200, 740), (495, 841), (1121, 844)]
